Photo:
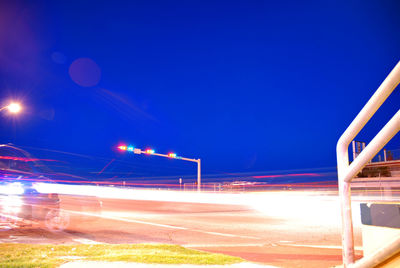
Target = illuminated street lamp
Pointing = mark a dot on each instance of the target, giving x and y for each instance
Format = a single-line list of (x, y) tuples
[(13, 108), (169, 155)]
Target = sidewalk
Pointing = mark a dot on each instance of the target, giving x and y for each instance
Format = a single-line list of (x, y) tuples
[(97, 264)]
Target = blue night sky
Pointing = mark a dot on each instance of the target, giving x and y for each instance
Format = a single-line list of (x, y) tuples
[(247, 86)]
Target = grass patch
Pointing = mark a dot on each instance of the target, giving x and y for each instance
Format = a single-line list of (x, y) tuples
[(28, 255)]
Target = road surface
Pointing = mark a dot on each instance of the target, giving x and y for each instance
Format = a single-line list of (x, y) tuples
[(301, 230)]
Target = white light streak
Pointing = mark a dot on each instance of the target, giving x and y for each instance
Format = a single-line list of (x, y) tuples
[(11, 204), (14, 188), (306, 207)]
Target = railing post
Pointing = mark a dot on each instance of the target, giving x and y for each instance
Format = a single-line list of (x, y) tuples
[(348, 254), (346, 173), (345, 204)]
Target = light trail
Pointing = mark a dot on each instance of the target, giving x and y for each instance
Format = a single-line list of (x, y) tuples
[(287, 175), (104, 168), (36, 178), (328, 187), (26, 159), (303, 206)]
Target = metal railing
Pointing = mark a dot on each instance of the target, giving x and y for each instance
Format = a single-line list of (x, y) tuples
[(346, 171)]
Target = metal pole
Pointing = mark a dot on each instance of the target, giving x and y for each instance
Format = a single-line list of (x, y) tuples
[(384, 155), (384, 136), (139, 151), (347, 224), (381, 94), (198, 175), (376, 144)]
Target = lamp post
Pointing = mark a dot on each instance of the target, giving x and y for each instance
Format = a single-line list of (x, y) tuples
[(170, 155)]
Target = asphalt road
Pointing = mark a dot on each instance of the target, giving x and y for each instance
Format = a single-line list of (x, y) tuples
[(301, 230)]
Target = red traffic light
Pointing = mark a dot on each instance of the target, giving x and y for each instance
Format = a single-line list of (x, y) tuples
[(122, 147), (172, 155)]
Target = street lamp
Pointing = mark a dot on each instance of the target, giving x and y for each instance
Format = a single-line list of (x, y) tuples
[(169, 155), (13, 108)]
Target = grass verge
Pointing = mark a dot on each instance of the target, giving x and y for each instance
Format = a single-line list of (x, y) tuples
[(28, 255)]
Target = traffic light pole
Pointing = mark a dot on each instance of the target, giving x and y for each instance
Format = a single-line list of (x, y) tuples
[(198, 161), (173, 156)]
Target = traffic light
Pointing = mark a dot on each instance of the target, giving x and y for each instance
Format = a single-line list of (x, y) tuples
[(122, 147), (149, 151), (172, 155)]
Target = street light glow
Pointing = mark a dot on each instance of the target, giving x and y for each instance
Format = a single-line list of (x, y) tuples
[(14, 107)]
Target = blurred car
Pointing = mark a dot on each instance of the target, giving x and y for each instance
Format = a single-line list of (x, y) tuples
[(21, 178)]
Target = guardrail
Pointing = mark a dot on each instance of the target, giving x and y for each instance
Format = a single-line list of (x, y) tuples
[(347, 171)]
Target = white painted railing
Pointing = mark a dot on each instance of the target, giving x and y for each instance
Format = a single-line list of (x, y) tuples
[(347, 171)]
